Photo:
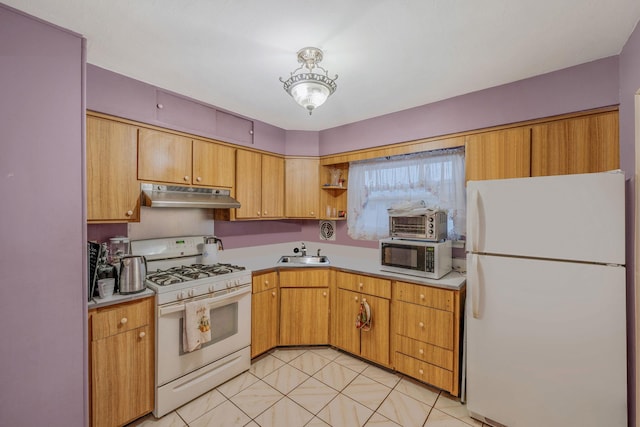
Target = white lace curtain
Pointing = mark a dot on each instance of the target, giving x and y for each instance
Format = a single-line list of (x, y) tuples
[(437, 177)]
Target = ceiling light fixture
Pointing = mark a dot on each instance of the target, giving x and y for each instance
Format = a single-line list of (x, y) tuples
[(307, 88)]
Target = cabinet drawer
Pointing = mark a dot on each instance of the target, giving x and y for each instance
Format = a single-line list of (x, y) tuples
[(364, 284), (304, 278), (263, 282), (425, 324), (426, 352), (121, 318), (424, 371), (424, 295)]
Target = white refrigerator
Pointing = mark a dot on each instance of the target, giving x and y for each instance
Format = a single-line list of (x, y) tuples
[(545, 310)]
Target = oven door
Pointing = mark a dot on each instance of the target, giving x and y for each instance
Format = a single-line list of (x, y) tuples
[(230, 316)]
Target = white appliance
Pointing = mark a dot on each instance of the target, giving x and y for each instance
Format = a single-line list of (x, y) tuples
[(177, 275), (545, 310), (415, 257)]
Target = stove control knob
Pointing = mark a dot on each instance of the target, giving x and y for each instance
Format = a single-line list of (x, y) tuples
[(179, 295), (191, 292), (212, 288)]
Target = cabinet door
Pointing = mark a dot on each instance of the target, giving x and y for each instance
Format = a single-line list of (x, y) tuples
[(498, 154), (122, 383), (113, 193), (164, 157), (304, 316), (249, 184), (264, 321), (213, 164), (374, 343), (345, 334), (272, 187), (302, 188), (578, 145)]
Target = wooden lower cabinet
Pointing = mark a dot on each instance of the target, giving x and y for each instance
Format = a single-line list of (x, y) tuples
[(372, 344), (121, 362), (264, 313), (426, 334), (304, 306)]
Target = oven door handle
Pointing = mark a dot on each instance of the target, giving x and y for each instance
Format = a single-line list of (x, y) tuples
[(211, 302)]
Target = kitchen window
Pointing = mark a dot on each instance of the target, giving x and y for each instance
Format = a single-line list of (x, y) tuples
[(435, 177)]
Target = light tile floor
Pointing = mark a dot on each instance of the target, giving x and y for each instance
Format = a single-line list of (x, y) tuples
[(317, 387)]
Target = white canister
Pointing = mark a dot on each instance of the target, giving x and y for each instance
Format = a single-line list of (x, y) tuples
[(210, 254), (211, 247)]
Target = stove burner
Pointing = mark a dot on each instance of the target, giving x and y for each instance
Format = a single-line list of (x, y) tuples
[(185, 273)]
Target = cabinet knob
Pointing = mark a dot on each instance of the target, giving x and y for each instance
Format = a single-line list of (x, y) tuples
[(186, 178), (273, 294), (258, 213), (266, 283), (421, 296), (359, 285), (124, 321), (420, 371), (160, 106), (312, 213), (421, 351), (421, 324), (265, 213), (355, 298), (129, 213), (142, 334), (199, 179), (324, 294)]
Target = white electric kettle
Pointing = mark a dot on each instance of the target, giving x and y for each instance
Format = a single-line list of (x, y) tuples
[(211, 247)]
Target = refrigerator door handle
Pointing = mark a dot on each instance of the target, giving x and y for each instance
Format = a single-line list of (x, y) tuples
[(475, 287), (475, 221)]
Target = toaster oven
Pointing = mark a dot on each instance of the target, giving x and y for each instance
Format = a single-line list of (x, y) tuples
[(431, 225)]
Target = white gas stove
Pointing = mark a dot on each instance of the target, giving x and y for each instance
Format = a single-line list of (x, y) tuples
[(176, 273)]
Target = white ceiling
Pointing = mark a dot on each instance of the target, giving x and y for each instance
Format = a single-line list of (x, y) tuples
[(390, 55)]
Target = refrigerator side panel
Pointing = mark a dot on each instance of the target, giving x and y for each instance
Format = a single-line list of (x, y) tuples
[(546, 343), (570, 217)]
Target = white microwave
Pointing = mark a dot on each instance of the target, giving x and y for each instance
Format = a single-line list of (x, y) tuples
[(416, 257)]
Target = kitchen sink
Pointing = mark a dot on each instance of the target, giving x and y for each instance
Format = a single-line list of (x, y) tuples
[(303, 260)]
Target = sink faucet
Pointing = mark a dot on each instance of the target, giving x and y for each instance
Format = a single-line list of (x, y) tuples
[(304, 249), (318, 254)]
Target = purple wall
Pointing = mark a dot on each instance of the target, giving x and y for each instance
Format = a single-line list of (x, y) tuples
[(629, 86), (582, 87), (43, 304)]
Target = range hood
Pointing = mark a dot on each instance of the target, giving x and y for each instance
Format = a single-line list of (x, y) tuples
[(173, 196)]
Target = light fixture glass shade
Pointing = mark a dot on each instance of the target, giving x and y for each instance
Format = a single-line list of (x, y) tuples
[(310, 94), (307, 88)]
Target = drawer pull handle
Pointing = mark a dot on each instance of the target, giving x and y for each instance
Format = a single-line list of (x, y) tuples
[(421, 351), (124, 320), (142, 334), (421, 324), (420, 371)]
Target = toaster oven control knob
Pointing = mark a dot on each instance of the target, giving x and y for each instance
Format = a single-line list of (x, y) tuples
[(431, 225), (430, 219)]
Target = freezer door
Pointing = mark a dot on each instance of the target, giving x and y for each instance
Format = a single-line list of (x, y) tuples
[(570, 217), (546, 343)]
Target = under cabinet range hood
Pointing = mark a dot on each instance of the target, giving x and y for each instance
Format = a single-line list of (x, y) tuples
[(173, 196)]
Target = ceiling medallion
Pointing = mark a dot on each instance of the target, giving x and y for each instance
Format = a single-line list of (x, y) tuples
[(308, 88)]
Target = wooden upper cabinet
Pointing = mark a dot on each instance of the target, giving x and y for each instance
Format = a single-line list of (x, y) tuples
[(272, 187), (113, 193), (577, 145), (302, 187), (213, 164), (164, 157), (259, 185), (498, 154), (248, 184)]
